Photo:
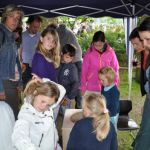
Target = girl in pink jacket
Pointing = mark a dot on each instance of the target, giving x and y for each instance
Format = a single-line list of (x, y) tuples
[(99, 55)]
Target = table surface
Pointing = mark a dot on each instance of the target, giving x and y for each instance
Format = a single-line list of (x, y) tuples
[(67, 123)]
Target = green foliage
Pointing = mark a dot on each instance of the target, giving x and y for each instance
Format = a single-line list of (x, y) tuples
[(85, 40), (112, 28), (114, 36), (46, 22), (70, 22)]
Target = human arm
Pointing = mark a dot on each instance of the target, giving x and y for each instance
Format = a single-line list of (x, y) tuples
[(114, 143), (38, 65), (21, 136), (112, 100), (74, 82), (1, 37), (84, 73), (20, 54), (114, 106), (74, 137), (115, 66), (20, 84)]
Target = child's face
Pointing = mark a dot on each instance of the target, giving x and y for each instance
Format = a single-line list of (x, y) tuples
[(104, 80), (48, 42), (67, 59), (98, 45), (41, 103)]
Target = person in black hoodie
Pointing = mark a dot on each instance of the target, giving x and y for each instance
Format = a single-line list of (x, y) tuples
[(68, 76)]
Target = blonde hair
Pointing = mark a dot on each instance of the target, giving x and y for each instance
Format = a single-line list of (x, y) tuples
[(52, 55), (97, 105), (108, 72), (48, 89), (8, 10)]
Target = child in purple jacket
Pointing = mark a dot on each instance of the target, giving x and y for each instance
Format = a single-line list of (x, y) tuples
[(47, 58)]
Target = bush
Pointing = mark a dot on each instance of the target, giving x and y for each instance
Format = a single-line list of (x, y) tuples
[(114, 36)]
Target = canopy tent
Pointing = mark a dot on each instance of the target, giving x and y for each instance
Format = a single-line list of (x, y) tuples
[(74, 8), (92, 8), (129, 25)]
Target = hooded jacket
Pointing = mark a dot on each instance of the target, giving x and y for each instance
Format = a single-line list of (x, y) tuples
[(36, 130), (68, 77), (93, 61)]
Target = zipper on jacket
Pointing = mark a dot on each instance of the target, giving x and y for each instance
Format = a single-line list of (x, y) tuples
[(41, 140)]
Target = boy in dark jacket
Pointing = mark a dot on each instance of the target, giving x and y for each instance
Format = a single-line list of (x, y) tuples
[(68, 76)]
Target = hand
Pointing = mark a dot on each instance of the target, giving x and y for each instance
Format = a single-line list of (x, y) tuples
[(20, 88), (23, 67), (36, 78), (2, 96), (64, 102), (77, 116), (82, 93)]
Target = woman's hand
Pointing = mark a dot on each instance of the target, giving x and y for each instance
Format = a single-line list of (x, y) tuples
[(2, 96), (82, 93), (36, 78), (64, 102)]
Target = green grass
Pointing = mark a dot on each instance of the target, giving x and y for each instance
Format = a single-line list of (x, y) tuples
[(125, 138)]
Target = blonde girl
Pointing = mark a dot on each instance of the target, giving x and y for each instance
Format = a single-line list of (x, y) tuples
[(95, 130), (47, 57), (111, 92), (35, 128)]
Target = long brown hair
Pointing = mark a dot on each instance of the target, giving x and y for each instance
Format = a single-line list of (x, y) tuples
[(52, 55)]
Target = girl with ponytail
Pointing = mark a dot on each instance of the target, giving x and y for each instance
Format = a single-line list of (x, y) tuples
[(95, 131)]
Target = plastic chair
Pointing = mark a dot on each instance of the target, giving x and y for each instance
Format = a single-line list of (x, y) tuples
[(125, 123)]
